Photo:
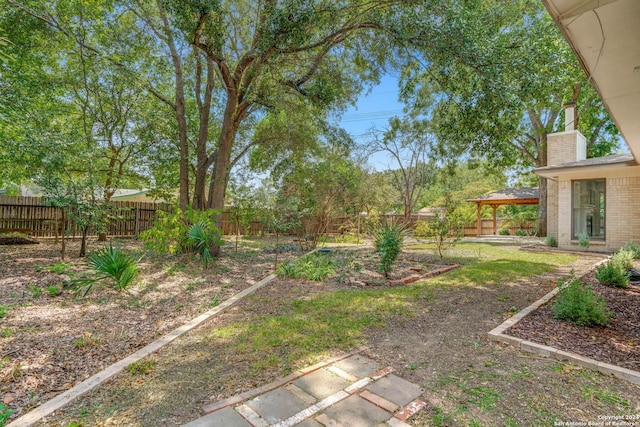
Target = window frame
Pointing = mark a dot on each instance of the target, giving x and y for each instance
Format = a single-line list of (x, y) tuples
[(575, 237)]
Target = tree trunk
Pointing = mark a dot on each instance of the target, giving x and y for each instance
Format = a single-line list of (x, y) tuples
[(218, 186), (542, 207), (83, 243)]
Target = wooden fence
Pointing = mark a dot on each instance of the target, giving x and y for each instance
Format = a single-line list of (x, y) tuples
[(31, 215)]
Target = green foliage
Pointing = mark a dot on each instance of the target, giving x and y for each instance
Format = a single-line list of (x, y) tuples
[(5, 414), (551, 241), (112, 263), (201, 236), (35, 291), (175, 232), (584, 240), (53, 291), (314, 266), (3, 310), (633, 247), (612, 274), (577, 303), (623, 258), (58, 268), (142, 366), (504, 232), (388, 240)]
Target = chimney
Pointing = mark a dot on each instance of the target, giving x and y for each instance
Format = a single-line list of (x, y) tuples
[(569, 116), (568, 146)]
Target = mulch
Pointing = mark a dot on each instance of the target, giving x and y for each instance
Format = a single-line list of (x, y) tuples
[(617, 343)]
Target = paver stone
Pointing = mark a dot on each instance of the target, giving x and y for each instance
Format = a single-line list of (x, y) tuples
[(277, 405), (226, 417), (395, 389), (321, 383), (354, 411)]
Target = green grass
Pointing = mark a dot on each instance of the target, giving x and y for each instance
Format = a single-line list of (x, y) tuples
[(303, 330)]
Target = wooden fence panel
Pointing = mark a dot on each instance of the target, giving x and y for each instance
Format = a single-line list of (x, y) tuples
[(32, 216)]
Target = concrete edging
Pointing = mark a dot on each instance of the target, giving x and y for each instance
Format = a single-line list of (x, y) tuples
[(497, 334), (96, 380)]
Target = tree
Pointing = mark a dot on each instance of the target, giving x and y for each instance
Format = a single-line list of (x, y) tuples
[(501, 72), (408, 145), (248, 59)]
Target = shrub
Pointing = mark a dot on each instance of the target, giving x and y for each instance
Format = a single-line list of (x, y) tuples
[(201, 236), (504, 232), (623, 258), (5, 413), (314, 266), (170, 232), (577, 303), (584, 240), (612, 274), (551, 241), (388, 241), (521, 233), (3, 310), (112, 263), (632, 246)]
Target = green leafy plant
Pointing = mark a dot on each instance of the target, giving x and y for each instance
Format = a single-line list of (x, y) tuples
[(5, 413), (142, 366), (577, 303), (623, 259), (504, 232), (53, 291), (551, 241), (612, 274), (314, 266), (3, 310), (58, 268), (35, 291), (201, 236), (110, 262), (632, 246), (388, 240), (521, 233), (584, 240)]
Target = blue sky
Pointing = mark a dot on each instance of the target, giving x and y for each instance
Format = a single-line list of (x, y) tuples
[(374, 109)]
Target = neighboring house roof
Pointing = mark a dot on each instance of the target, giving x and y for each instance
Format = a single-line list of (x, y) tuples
[(595, 164), (604, 35), (509, 196), (430, 211), (125, 193)]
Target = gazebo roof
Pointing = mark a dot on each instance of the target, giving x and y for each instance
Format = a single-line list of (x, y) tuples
[(509, 196)]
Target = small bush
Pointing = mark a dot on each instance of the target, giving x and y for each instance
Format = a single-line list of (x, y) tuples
[(521, 233), (3, 310), (584, 240), (577, 303), (632, 246), (623, 259), (388, 240), (314, 266), (612, 274), (504, 232), (551, 241)]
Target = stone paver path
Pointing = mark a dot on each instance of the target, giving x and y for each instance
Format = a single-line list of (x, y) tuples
[(348, 391)]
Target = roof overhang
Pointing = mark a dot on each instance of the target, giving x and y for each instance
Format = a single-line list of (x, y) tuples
[(553, 172), (604, 34)]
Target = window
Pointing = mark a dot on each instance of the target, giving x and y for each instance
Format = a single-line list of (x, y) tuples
[(588, 208)]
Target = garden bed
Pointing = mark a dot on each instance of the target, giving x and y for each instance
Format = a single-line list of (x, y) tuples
[(617, 343)]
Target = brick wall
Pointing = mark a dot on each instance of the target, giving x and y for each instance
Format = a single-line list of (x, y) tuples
[(566, 147)]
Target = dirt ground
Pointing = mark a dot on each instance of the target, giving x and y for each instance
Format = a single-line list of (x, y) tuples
[(468, 379)]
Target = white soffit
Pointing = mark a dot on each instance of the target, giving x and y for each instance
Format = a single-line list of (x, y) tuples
[(605, 34)]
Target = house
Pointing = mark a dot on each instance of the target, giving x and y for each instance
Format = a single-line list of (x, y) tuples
[(600, 196)]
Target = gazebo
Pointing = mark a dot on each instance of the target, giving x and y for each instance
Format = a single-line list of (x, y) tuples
[(508, 196)]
